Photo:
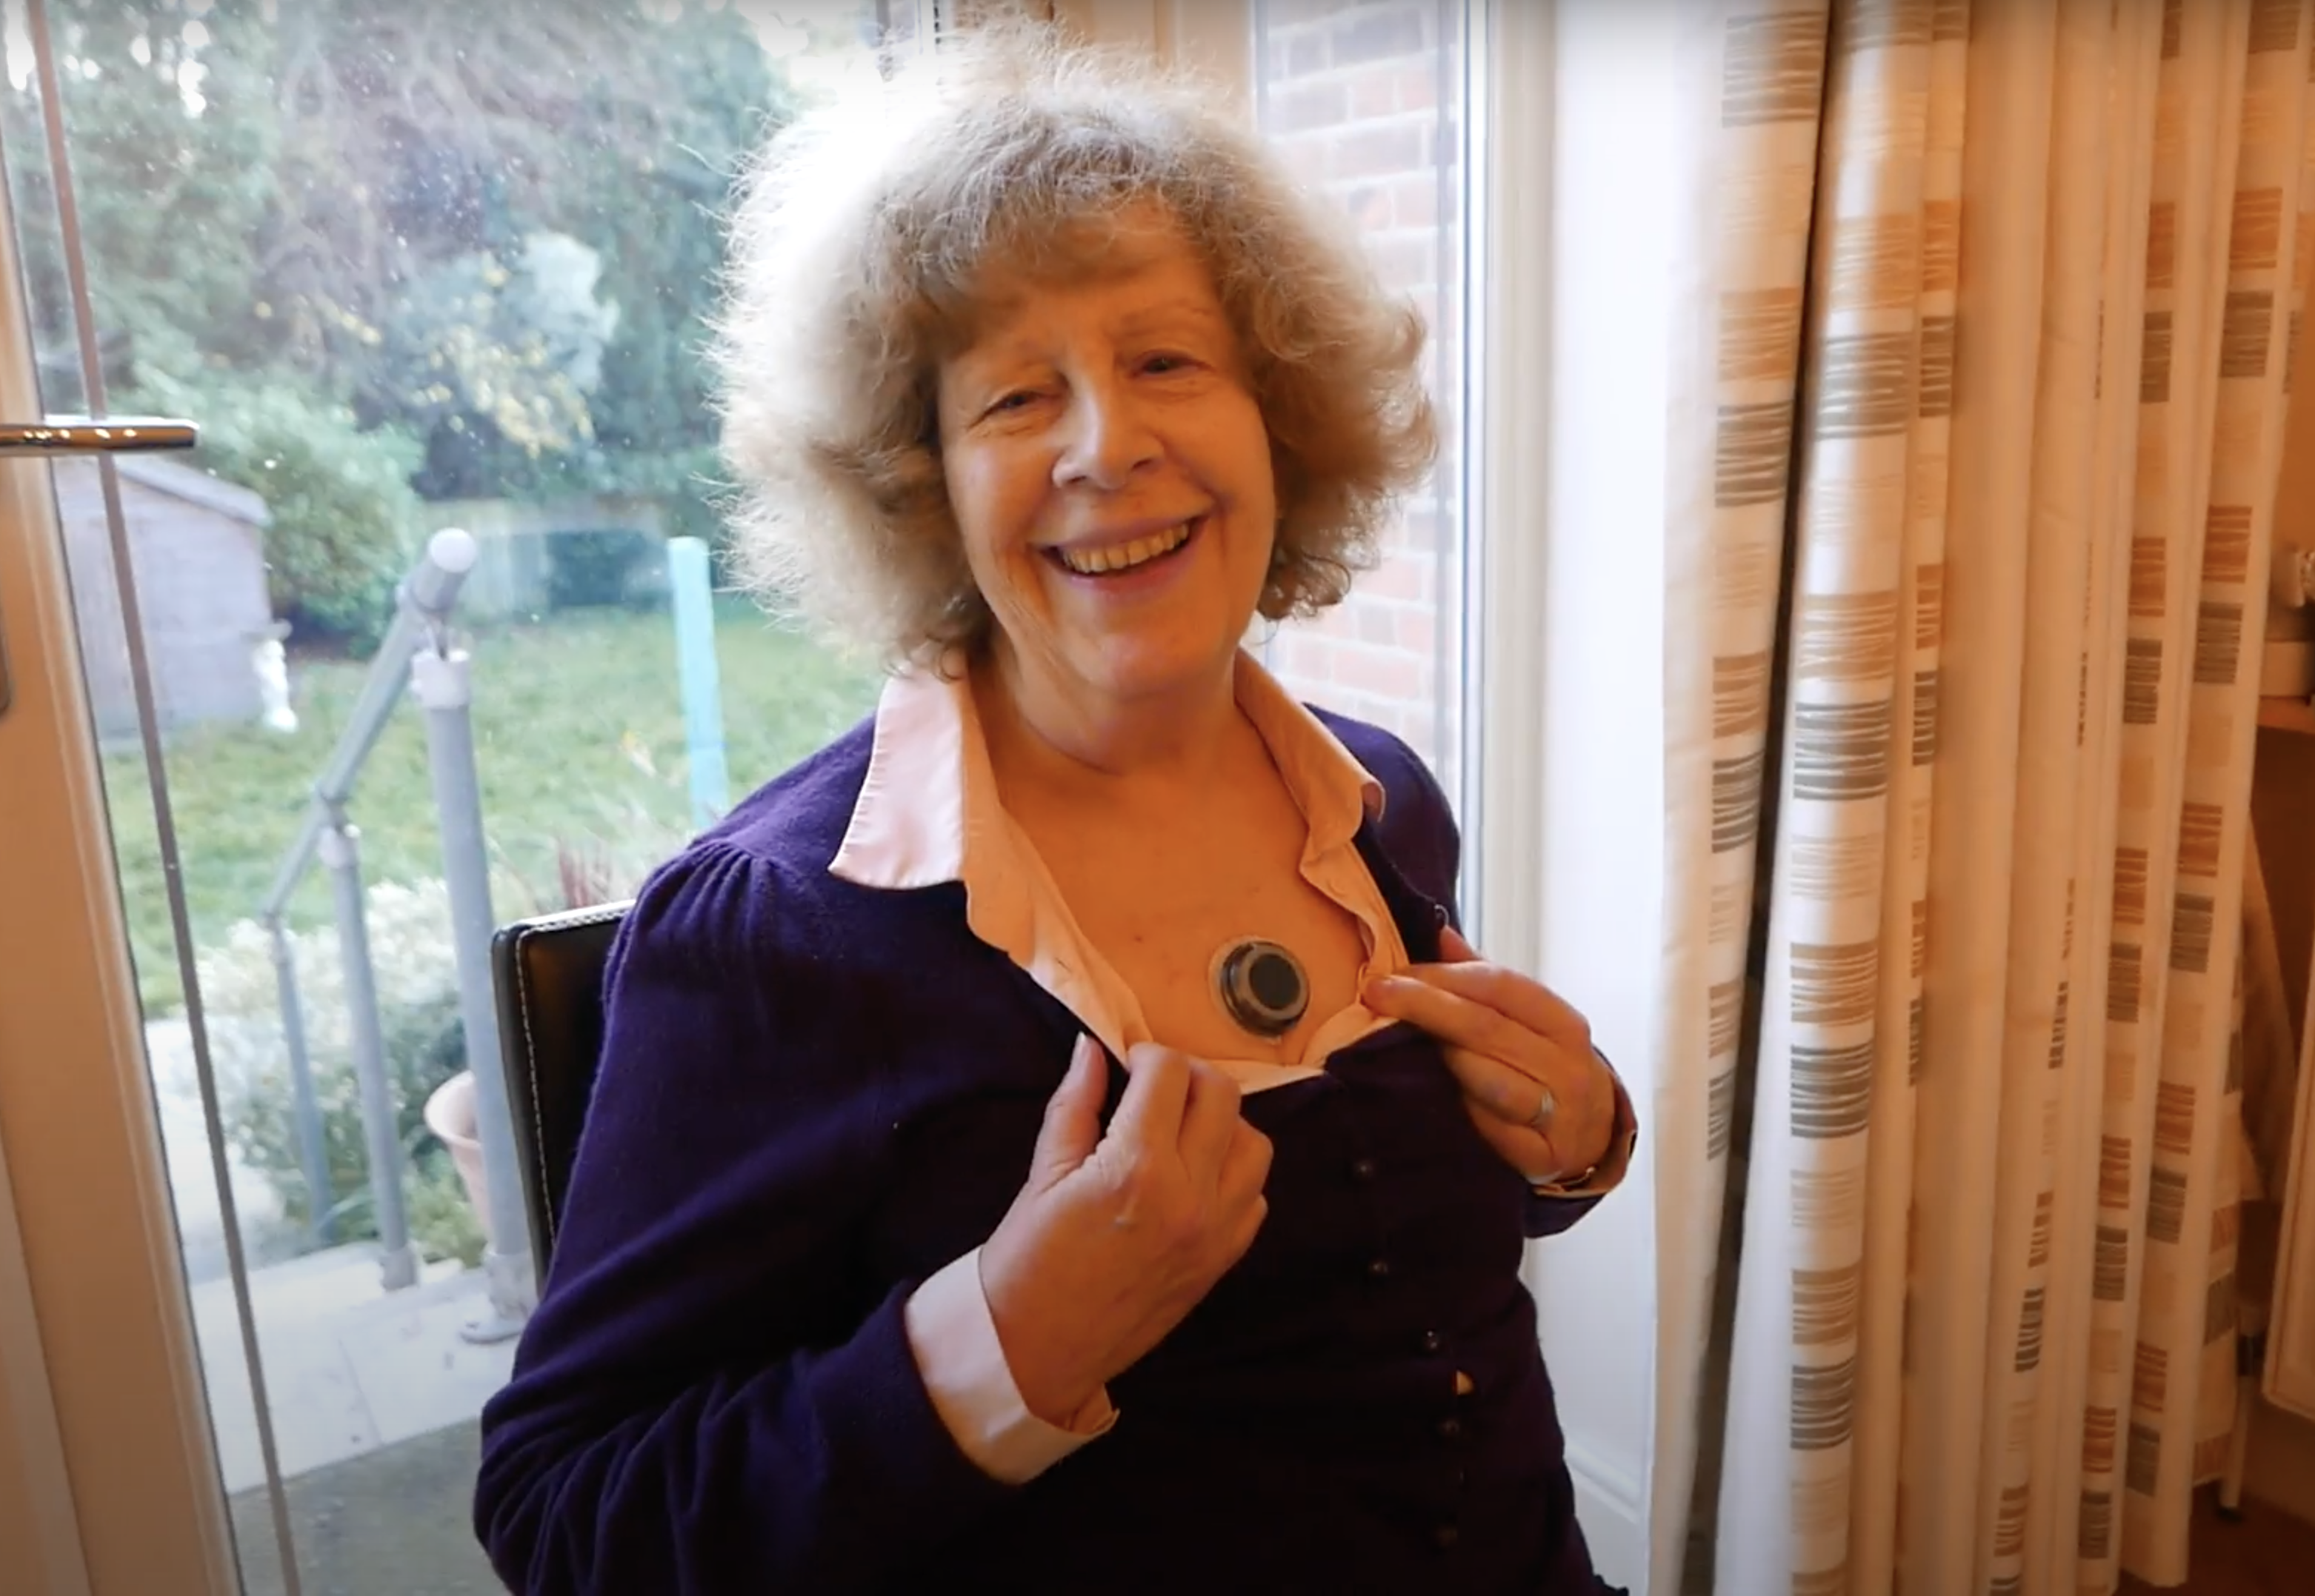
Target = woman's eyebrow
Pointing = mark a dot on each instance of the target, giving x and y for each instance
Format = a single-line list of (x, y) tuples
[(1172, 313)]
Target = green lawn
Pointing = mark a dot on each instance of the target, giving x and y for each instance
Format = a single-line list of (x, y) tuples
[(578, 735)]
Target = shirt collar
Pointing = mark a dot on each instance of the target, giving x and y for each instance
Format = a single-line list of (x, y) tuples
[(928, 812)]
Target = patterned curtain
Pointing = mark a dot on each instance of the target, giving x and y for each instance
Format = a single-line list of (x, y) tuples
[(1979, 395)]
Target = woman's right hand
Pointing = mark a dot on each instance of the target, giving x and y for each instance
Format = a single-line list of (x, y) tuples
[(1116, 1236)]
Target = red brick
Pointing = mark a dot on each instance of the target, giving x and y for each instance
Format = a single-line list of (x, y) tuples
[(1417, 629), (1340, 624), (1417, 527), (1384, 713), (1415, 201), (1375, 622), (1292, 52), (1288, 11), (1398, 577), (1418, 87), (1373, 93), (1305, 158), (1385, 673), (1420, 727), (1306, 106), (1374, 35), (1305, 658), (1402, 261), (1370, 207), (1379, 151)]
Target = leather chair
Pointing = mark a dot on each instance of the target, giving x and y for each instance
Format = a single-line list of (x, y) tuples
[(548, 974)]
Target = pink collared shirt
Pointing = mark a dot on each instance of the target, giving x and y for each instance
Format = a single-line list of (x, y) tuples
[(928, 814)]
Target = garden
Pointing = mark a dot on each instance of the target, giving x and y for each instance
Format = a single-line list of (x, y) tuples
[(395, 260), (579, 744)]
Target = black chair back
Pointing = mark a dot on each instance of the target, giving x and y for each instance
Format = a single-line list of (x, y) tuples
[(548, 975)]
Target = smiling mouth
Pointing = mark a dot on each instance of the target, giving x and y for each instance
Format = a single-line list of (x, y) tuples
[(1118, 558)]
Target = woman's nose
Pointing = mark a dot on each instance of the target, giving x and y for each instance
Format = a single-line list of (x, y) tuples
[(1107, 439)]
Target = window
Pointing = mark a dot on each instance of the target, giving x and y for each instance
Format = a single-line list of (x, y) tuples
[(1366, 100), (410, 267), (414, 267)]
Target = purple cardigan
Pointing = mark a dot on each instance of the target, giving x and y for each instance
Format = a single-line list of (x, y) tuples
[(815, 1094)]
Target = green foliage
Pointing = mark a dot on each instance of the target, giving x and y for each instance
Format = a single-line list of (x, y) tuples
[(484, 237), (442, 1222), (423, 1040), (173, 205), (588, 568), (424, 1048), (344, 517), (494, 366), (590, 698)]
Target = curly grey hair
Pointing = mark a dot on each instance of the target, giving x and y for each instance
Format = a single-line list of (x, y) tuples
[(860, 236)]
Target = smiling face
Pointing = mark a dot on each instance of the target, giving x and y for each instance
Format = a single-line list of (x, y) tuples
[(1110, 475)]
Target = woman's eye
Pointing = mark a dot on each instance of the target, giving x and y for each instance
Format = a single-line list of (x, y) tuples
[(1017, 400), (1161, 364)]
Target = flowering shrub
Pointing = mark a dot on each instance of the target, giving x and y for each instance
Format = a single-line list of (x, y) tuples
[(415, 976)]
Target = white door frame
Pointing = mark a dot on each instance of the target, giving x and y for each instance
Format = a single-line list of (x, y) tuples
[(102, 1339)]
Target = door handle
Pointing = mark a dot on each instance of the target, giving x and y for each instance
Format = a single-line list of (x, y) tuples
[(84, 435), (79, 434)]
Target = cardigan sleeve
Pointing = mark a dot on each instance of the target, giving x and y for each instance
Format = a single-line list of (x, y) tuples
[(708, 1397)]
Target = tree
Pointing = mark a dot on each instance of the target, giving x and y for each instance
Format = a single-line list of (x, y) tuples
[(483, 236), (615, 126)]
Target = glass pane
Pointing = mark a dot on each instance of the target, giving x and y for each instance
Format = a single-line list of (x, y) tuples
[(1365, 99), (410, 267)]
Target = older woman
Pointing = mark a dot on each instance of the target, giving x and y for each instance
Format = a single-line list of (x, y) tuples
[(1052, 1139)]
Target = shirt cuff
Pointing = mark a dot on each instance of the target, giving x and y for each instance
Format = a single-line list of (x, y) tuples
[(971, 1386), (1608, 1173)]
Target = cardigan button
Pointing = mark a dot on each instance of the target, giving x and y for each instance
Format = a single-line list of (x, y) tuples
[(1445, 1536), (1379, 1268), (1450, 1429), (1432, 1341), (1362, 1169)]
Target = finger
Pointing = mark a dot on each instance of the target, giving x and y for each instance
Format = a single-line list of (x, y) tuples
[(1454, 949), (1246, 1165), (1527, 1002), (1072, 1124), (1456, 1019), (1529, 1152), (1249, 1226), (1511, 1094), (1581, 1114), (1209, 1122), (1155, 1093)]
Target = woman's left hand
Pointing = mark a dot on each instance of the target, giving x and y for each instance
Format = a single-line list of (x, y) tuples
[(1534, 1085)]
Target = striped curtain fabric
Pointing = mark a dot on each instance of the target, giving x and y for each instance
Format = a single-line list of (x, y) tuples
[(1754, 80), (1976, 433)]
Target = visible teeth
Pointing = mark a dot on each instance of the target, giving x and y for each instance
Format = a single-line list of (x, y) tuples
[(1124, 556)]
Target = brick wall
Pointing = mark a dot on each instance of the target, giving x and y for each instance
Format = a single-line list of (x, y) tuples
[(1362, 99)]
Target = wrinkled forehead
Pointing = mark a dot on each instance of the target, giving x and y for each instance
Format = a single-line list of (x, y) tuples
[(1018, 261)]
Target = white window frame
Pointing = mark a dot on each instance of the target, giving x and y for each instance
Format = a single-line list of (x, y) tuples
[(106, 1458)]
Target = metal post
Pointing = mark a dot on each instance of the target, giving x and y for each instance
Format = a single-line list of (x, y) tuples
[(695, 655), (439, 678), (340, 852), (313, 1152)]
